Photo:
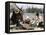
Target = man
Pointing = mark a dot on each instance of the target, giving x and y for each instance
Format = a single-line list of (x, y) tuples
[(16, 17)]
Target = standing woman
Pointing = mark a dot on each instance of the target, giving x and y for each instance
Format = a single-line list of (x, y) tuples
[(37, 19)]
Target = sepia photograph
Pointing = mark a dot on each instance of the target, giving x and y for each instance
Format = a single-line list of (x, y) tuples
[(26, 17)]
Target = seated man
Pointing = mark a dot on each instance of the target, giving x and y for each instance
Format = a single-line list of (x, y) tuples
[(16, 17)]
